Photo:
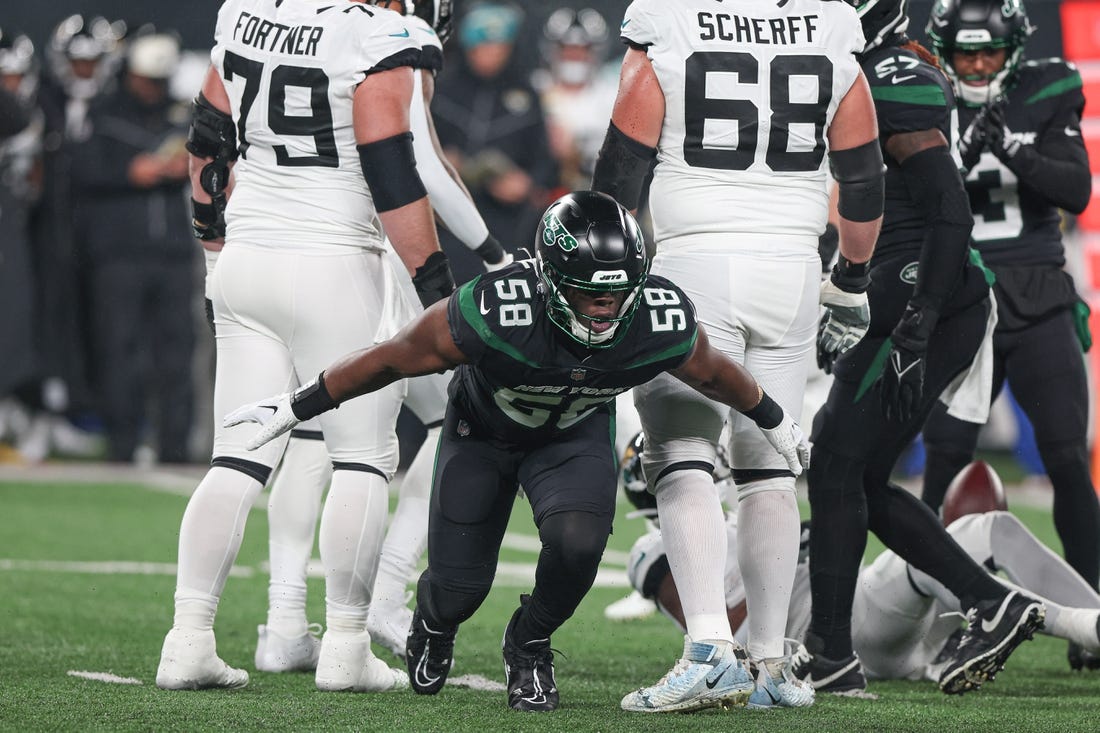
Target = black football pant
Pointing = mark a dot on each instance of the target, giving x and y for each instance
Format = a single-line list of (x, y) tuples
[(855, 449), (1045, 369), (143, 316), (570, 481)]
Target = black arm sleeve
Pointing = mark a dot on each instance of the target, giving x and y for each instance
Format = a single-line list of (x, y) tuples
[(936, 188), (1058, 167)]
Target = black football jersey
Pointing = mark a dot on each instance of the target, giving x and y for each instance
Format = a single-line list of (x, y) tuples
[(1015, 224), (527, 379), (910, 95)]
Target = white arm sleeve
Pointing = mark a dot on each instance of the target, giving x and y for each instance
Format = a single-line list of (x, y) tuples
[(447, 198)]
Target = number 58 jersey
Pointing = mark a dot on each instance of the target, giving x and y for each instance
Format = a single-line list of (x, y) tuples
[(526, 379), (750, 89), (290, 68)]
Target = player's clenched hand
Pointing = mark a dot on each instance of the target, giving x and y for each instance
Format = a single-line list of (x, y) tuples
[(846, 319), (789, 442), (273, 414)]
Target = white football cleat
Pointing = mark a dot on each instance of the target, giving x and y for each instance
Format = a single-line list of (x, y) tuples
[(777, 687), (629, 608), (347, 664), (278, 653), (189, 661), (388, 624), (709, 675)]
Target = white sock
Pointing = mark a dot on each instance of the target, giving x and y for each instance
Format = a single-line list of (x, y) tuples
[(351, 537), (194, 610), (292, 512), (344, 619), (407, 536), (1072, 624), (210, 537), (694, 531), (767, 551)]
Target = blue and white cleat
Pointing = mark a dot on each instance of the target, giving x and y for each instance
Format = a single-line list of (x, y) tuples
[(709, 675), (777, 687)]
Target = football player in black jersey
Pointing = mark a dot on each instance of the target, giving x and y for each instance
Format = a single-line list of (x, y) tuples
[(540, 350), (929, 309), (1022, 149)]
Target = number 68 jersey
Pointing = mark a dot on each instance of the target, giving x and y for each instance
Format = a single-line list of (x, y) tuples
[(290, 68), (750, 89), (526, 379)]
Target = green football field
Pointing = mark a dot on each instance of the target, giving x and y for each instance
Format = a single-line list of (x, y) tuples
[(86, 581)]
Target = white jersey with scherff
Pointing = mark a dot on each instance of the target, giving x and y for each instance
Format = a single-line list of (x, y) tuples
[(750, 89), (290, 68)]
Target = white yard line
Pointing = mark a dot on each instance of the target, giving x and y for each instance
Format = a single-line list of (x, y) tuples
[(113, 679)]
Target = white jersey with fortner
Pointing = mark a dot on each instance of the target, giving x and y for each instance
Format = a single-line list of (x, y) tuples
[(750, 89), (290, 68)]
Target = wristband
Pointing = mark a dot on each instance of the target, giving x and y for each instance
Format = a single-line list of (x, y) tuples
[(850, 277), (490, 250), (433, 280), (767, 414), (312, 399)]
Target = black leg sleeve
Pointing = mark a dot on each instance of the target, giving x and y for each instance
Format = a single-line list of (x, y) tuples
[(838, 537), (572, 545), (949, 445), (909, 528)]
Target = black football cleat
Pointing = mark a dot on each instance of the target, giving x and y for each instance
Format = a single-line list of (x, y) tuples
[(836, 676), (994, 630), (429, 654), (529, 669)]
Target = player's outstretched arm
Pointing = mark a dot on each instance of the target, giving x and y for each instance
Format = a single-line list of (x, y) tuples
[(720, 378), (424, 346)]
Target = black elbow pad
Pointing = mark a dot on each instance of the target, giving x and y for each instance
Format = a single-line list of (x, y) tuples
[(621, 167), (861, 186), (212, 133), (389, 166)]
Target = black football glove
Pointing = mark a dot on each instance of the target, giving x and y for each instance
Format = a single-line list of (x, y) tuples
[(973, 140), (997, 136), (901, 385)]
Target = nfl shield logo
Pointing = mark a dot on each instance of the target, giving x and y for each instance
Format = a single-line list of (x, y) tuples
[(578, 375)]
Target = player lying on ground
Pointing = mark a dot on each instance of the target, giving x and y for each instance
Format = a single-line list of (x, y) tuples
[(905, 624)]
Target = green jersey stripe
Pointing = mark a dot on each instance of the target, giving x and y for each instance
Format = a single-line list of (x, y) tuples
[(929, 95)]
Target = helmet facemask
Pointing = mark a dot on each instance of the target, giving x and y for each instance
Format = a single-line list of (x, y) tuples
[(573, 321)]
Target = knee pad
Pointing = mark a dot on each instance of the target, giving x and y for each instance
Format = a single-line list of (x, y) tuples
[(252, 469), (776, 483), (662, 458), (578, 538)]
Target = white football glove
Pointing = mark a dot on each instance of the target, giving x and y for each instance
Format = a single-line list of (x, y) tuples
[(846, 320), (273, 414), (506, 260), (789, 442)]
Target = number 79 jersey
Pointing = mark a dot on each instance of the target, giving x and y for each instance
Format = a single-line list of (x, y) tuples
[(750, 89), (526, 379), (290, 68)]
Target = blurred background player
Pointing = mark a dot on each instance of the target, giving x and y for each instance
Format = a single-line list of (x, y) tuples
[(905, 623), (1025, 159), (577, 91), (492, 128), (131, 177)]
